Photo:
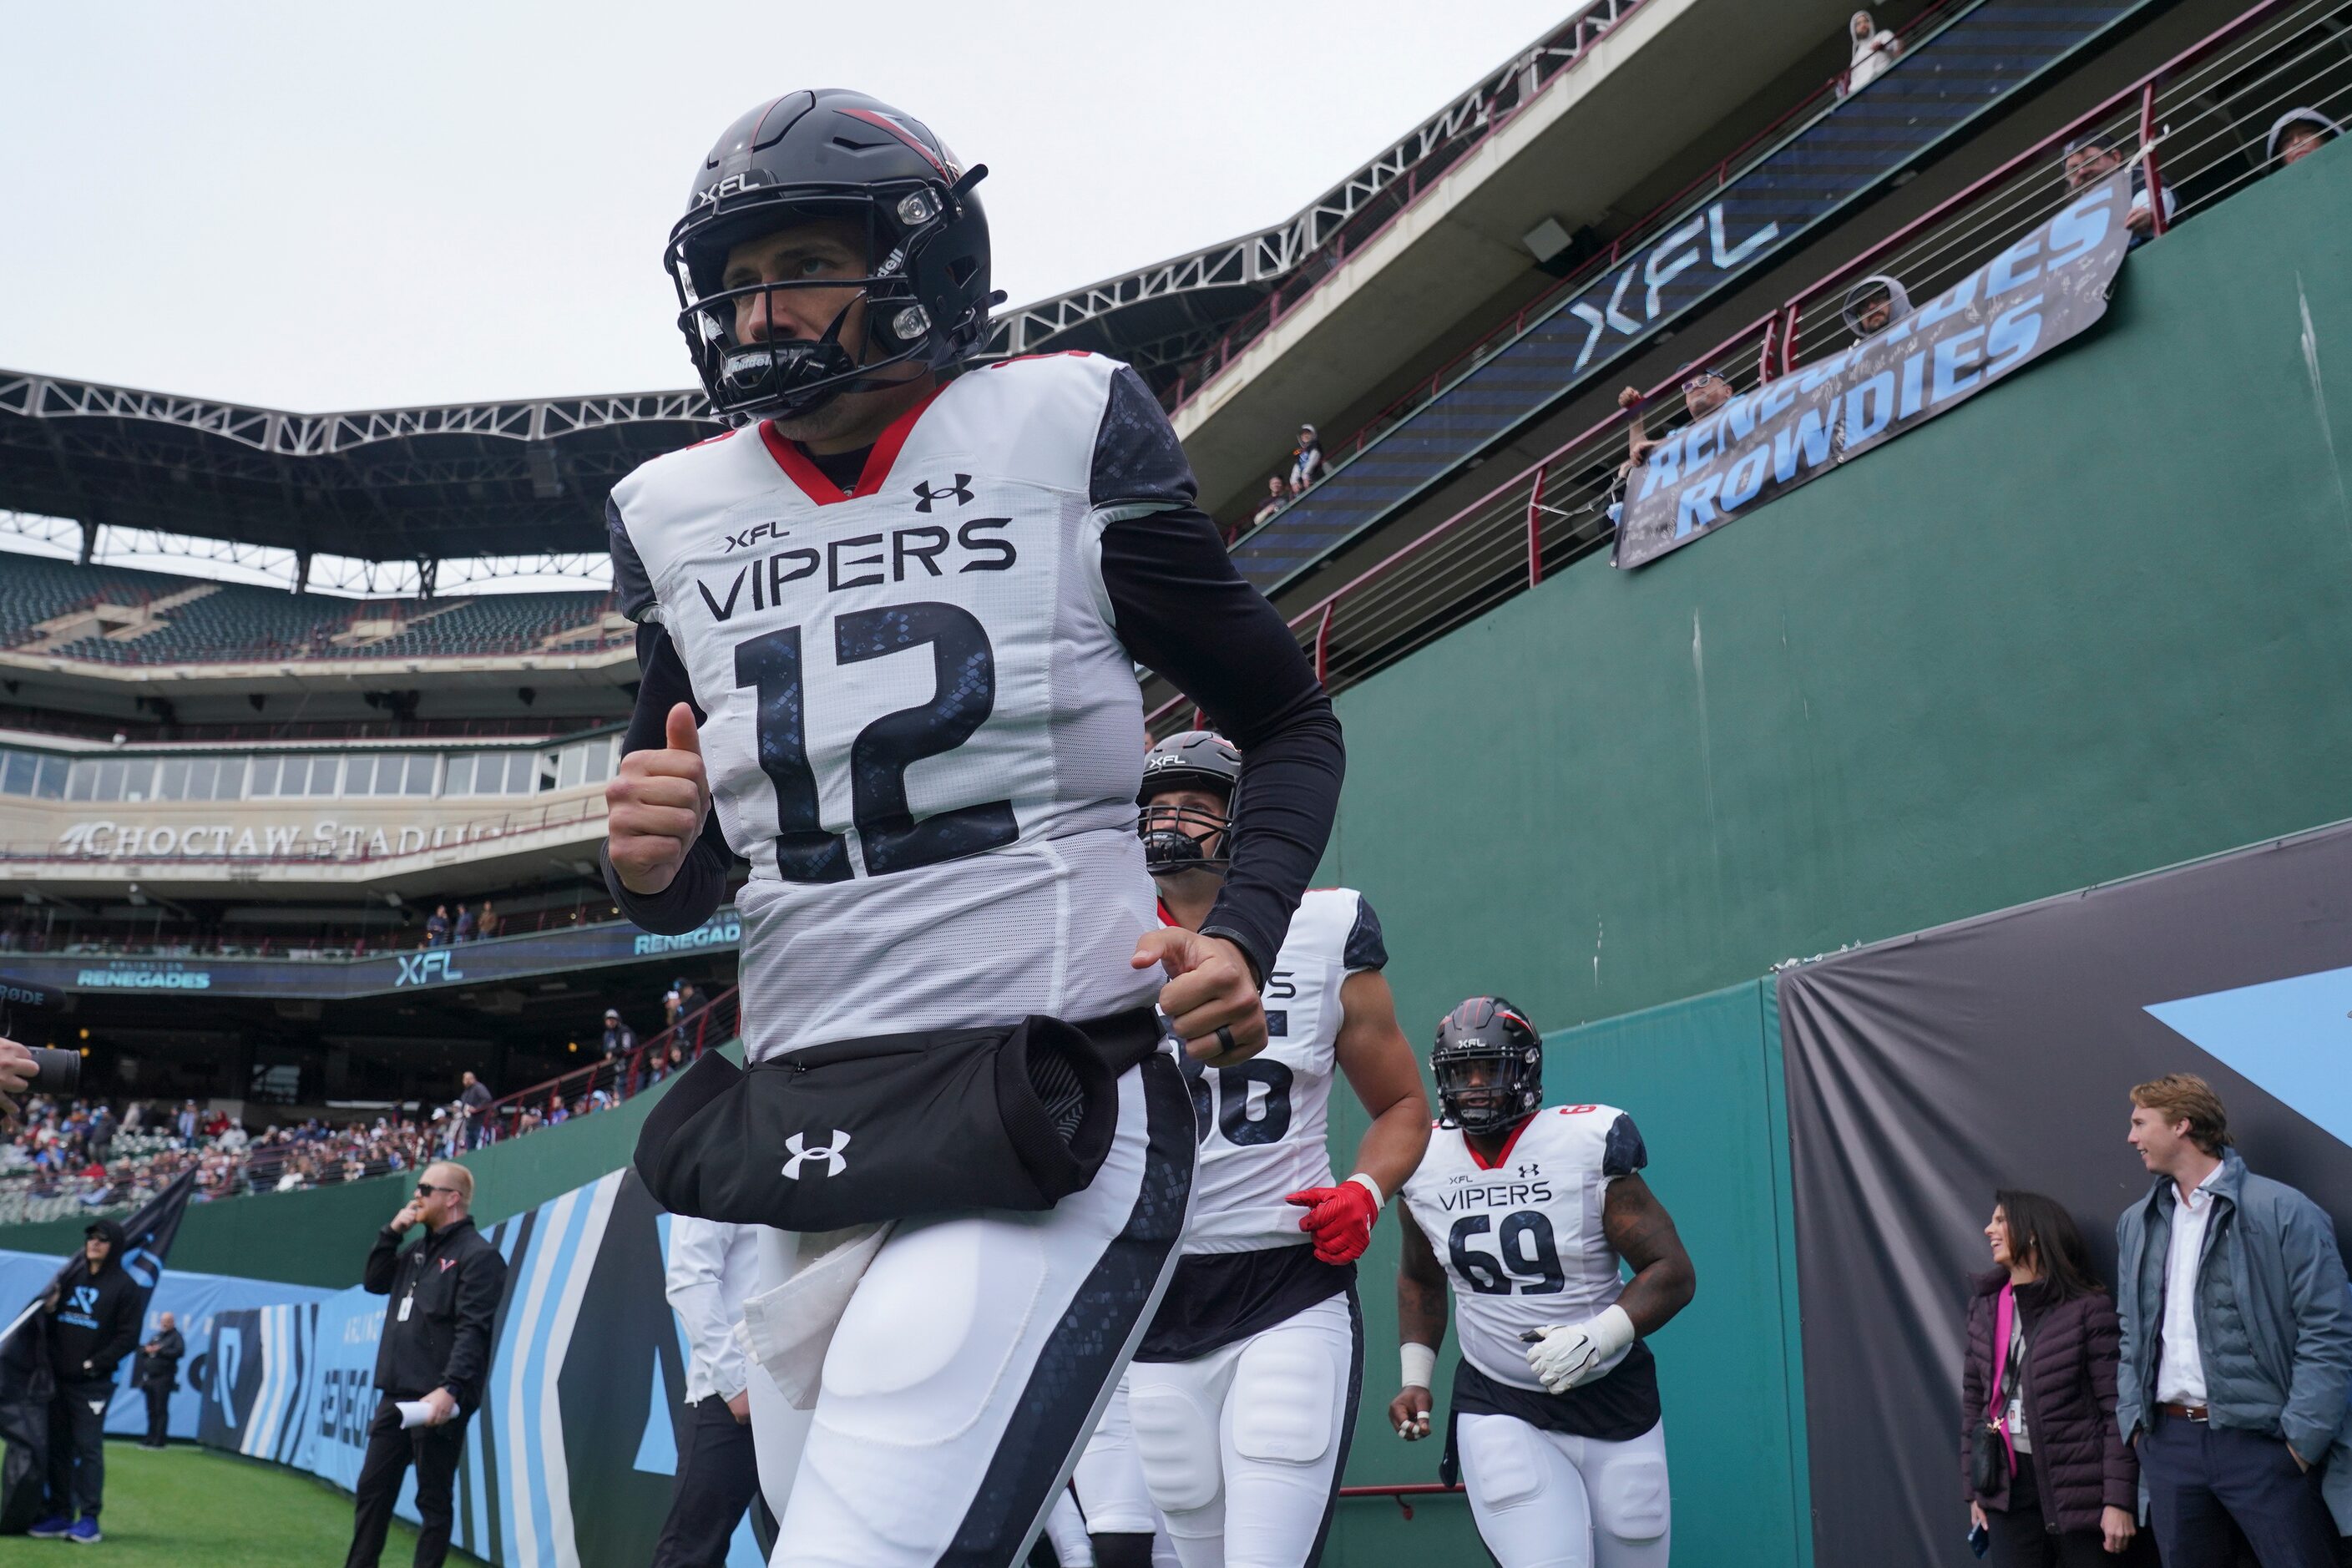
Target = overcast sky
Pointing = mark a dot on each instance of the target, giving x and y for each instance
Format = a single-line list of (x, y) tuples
[(323, 207)]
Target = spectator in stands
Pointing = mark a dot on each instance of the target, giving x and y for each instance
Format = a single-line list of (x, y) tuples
[(2073, 1489), (475, 1098), (2296, 135), (619, 1038), (156, 1373), (670, 1004), (436, 929), (2237, 1341), (487, 925), (690, 1000), (1875, 304), (1876, 50), (1277, 498), (2095, 155), (1307, 464), (464, 931), (1704, 390), (188, 1123)]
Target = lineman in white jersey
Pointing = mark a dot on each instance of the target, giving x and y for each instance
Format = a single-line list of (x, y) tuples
[(1243, 1392), (1555, 1427), (888, 627)]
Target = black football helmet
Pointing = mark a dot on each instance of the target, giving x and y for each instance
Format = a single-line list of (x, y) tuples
[(1488, 1064), (1176, 839), (831, 153)]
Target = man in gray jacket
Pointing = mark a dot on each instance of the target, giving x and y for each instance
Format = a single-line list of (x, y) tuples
[(2237, 1341)]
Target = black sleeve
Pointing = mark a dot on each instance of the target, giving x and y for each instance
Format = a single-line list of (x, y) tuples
[(123, 1335), (1366, 949), (1624, 1154), (1180, 607), (382, 1264), (632, 591), (700, 886), (482, 1282)]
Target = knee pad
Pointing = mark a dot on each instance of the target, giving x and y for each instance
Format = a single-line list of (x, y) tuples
[(1177, 1440), (1283, 1387), (1500, 1464), (1629, 1497)]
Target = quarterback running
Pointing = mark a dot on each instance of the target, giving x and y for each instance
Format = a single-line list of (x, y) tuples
[(889, 627), (1528, 1210), (1243, 1392)]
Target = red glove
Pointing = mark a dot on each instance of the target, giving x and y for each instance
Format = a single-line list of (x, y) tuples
[(1340, 1218)]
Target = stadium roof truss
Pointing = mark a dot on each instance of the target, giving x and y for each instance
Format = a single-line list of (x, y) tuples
[(1159, 316), (506, 479)]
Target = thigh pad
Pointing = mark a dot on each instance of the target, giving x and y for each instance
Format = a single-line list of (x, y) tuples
[(1176, 1439), (1502, 1463), (1281, 1402), (1628, 1491)]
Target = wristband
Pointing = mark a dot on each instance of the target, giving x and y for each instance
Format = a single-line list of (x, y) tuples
[(1372, 1186), (1417, 1364)]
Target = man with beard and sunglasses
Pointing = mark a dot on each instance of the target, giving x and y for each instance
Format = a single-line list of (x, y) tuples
[(1528, 1212), (888, 633), (435, 1352)]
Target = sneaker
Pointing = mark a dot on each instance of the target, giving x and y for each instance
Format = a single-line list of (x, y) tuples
[(85, 1531), (51, 1529)]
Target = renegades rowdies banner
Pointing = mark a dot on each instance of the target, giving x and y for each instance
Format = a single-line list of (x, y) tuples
[(2034, 295)]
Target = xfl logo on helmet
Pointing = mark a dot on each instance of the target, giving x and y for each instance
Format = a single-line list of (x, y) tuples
[(830, 1153), (960, 490)]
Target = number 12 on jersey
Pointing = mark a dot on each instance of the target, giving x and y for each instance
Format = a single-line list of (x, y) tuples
[(963, 667)]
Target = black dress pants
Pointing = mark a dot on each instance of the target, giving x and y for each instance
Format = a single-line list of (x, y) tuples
[(77, 1447), (2201, 1478), (435, 1451), (718, 1477), (158, 1413)]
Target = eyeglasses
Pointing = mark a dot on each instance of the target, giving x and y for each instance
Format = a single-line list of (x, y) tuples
[(1701, 379), (426, 1189)]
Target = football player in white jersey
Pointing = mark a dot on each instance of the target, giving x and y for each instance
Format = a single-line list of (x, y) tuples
[(1243, 1392), (1555, 1427), (887, 628)]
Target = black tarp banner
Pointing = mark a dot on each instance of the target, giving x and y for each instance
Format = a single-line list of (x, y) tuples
[(1924, 1073), (26, 1382), (2047, 287)]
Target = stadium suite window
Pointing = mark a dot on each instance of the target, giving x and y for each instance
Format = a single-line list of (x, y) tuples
[(31, 773)]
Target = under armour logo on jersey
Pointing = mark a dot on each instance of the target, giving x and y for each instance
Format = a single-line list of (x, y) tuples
[(98, 1406), (925, 495), (830, 1153)]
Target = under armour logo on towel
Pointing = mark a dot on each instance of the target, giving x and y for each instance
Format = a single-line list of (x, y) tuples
[(960, 490), (98, 1406), (831, 1154)]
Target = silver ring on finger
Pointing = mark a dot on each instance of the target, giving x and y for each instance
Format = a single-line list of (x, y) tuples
[(1225, 1039)]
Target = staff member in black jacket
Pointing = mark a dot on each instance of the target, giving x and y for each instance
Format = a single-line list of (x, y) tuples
[(93, 1324), (156, 1373), (445, 1293)]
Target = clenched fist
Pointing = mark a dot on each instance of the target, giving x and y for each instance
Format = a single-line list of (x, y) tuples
[(1210, 999), (654, 806)]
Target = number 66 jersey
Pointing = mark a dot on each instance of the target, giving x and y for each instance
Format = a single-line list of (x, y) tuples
[(1521, 1239), (920, 713)]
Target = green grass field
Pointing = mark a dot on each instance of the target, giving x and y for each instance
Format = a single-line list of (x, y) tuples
[(191, 1508)]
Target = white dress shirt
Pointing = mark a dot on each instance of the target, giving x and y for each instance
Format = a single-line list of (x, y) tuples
[(2179, 1368), (713, 1268)]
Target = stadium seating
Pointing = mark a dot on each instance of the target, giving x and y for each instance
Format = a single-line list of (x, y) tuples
[(201, 622)]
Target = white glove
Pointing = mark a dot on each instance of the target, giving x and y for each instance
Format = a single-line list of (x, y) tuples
[(1563, 1355)]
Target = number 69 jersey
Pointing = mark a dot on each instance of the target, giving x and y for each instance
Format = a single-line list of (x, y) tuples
[(1262, 1121), (1521, 1239), (921, 728)]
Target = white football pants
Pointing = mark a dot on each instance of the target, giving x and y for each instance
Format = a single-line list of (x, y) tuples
[(1243, 1448), (1110, 1477), (1547, 1500), (974, 1358)]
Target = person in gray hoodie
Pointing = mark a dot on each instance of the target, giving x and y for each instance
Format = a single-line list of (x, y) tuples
[(2237, 1341)]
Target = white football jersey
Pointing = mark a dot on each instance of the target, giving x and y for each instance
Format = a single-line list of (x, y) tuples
[(1521, 1239), (921, 728), (1262, 1121)]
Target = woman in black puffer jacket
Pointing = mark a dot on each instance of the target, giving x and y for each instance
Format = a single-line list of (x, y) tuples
[(2074, 1492)]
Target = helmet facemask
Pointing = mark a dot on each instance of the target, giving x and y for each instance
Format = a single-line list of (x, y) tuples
[(787, 376), (1488, 1088), (1184, 837)]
